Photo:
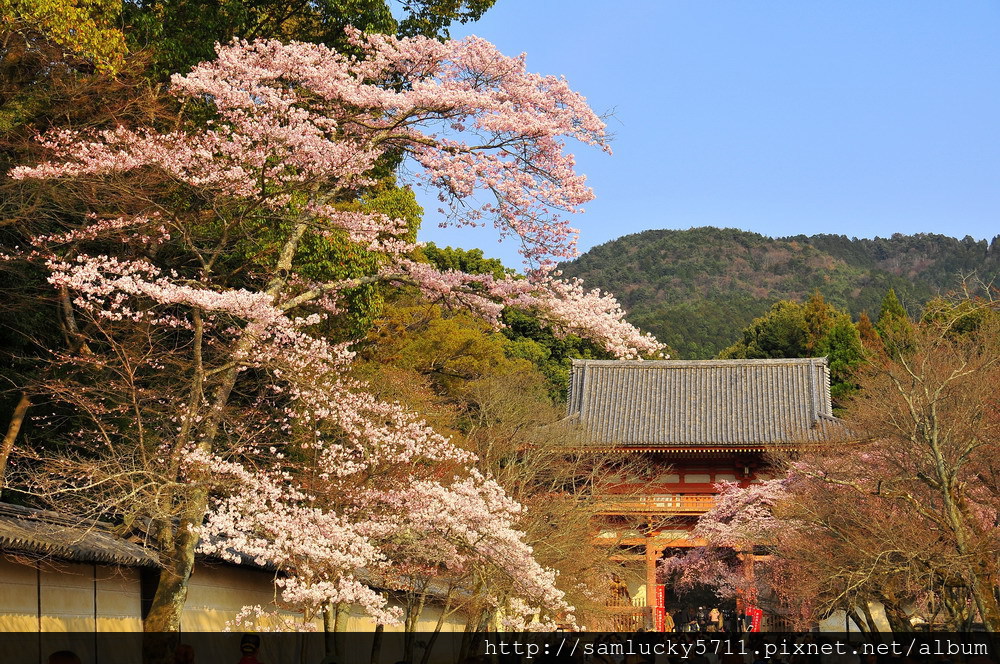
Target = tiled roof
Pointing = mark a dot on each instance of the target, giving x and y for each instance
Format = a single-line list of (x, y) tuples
[(46, 534), (703, 402)]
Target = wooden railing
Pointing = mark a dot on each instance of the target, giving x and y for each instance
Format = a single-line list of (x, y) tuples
[(665, 503), (625, 615), (772, 623)]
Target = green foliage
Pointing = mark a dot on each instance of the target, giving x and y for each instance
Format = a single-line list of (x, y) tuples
[(454, 348), (531, 339), (819, 320), (961, 317), (697, 329), (450, 350), (333, 257), (87, 29), (813, 329), (894, 326), (782, 332), (470, 261), (181, 33), (697, 289), (432, 17), (842, 347), (528, 337), (890, 309)]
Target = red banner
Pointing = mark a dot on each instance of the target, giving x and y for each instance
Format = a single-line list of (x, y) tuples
[(659, 612), (756, 616)]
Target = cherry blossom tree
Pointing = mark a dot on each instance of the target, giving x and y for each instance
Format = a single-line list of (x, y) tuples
[(208, 385), (453, 368), (741, 519)]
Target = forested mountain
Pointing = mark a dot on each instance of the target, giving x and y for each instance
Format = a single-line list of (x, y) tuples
[(697, 289)]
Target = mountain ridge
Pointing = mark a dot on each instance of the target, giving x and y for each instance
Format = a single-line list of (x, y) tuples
[(696, 289)]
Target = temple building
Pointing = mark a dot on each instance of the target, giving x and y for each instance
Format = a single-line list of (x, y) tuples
[(694, 423)]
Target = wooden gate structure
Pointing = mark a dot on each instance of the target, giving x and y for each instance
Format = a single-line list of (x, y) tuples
[(697, 423)]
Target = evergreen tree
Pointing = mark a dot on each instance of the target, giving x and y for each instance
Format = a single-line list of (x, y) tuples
[(813, 329), (867, 331), (844, 352), (179, 34), (894, 326), (819, 319), (891, 309), (781, 332), (470, 261)]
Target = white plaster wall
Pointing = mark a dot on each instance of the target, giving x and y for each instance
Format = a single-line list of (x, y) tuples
[(838, 621), (73, 602)]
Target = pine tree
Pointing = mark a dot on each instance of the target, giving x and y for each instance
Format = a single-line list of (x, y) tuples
[(819, 317), (891, 309), (893, 325)]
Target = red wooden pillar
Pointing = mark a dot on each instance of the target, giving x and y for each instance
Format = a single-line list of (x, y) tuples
[(655, 607), (650, 574)]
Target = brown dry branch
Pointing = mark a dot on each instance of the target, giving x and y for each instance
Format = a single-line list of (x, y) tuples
[(908, 517)]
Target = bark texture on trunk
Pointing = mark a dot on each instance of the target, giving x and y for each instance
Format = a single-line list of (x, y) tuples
[(13, 428), (171, 591)]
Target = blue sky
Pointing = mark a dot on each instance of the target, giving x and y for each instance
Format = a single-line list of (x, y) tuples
[(859, 117)]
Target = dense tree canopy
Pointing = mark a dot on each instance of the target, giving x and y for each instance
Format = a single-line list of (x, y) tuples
[(86, 29), (180, 34), (697, 289)]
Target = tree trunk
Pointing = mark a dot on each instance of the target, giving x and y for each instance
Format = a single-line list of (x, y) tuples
[(437, 629), (873, 629), (411, 624), (329, 626), (163, 622), (989, 609), (898, 621), (159, 647), (856, 617), (179, 541), (955, 607), (177, 552), (16, 420), (177, 555), (171, 591), (377, 643), (339, 627), (168, 601), (471, 628)]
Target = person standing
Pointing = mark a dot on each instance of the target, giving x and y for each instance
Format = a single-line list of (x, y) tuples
[(668, 620), (249, 645)]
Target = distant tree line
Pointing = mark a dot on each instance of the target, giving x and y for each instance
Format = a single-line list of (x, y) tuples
[(698, 289)]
